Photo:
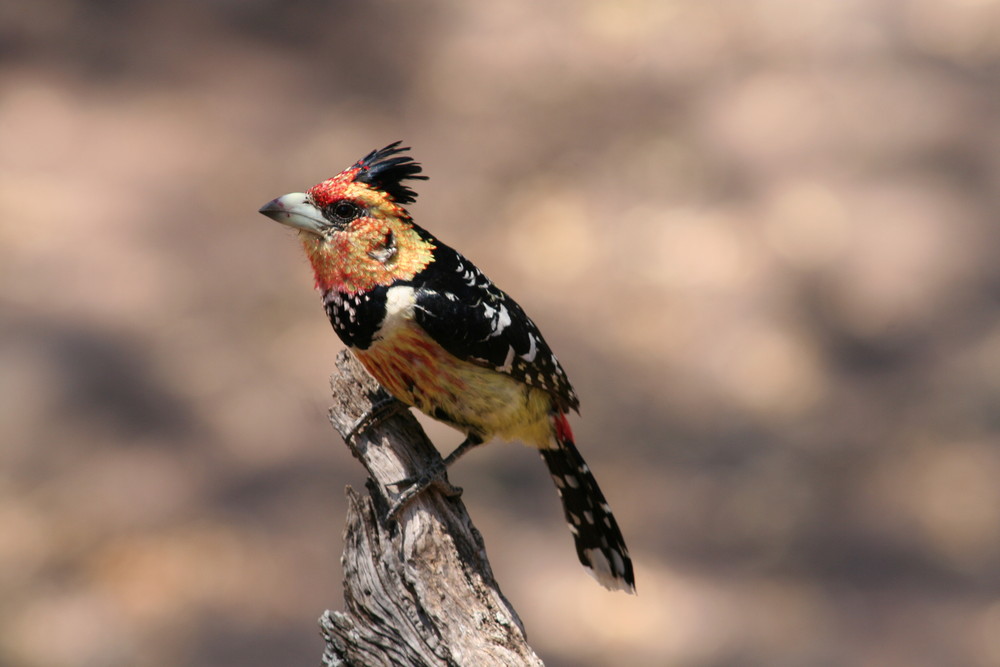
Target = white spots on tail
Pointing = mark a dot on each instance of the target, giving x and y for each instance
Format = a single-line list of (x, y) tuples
[(608, 573)]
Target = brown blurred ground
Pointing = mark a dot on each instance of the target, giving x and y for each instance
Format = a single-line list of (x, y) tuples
[(762, 236)]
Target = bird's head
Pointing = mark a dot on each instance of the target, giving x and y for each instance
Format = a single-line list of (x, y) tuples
[(354, 227)]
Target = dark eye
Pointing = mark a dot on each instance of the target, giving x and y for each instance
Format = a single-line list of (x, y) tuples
[(343, 211)]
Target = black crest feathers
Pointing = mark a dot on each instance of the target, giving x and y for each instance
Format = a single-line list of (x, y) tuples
[(384, 172)]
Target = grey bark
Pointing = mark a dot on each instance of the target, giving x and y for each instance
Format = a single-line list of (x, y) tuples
[(419, 591)]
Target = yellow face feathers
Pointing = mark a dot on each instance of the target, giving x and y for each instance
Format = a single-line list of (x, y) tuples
[(370, 251)]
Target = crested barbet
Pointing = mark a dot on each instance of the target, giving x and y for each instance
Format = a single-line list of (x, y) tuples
[(438, 335)]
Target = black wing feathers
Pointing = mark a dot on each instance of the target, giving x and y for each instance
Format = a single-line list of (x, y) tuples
[(477, 322)]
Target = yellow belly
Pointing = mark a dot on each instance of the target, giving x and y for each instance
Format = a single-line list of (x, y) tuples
[(416, 370)]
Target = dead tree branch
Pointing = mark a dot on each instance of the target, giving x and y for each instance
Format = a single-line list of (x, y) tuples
[(420, 591)]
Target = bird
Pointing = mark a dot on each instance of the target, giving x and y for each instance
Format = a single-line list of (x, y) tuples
[(440, 336)]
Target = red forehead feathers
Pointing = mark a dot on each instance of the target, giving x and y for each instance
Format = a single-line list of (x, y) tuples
[(384, 170), (329, 191)]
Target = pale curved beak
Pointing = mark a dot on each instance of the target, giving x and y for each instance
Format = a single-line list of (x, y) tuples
[(295, 210)]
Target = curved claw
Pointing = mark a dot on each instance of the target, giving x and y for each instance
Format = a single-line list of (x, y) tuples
[(378, 413), (417, 484)]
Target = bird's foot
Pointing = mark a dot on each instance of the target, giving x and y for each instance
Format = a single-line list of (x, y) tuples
[(434, 476), (378, 413)]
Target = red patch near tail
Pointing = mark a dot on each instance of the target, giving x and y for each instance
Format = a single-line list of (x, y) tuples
[(563, 432)]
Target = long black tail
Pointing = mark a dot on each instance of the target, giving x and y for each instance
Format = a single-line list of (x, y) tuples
[(599, 543)]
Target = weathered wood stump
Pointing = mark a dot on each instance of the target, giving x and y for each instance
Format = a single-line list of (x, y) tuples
[(418, 591)]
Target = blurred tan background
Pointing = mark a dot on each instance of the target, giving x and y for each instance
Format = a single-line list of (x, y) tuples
[(761, 235)]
